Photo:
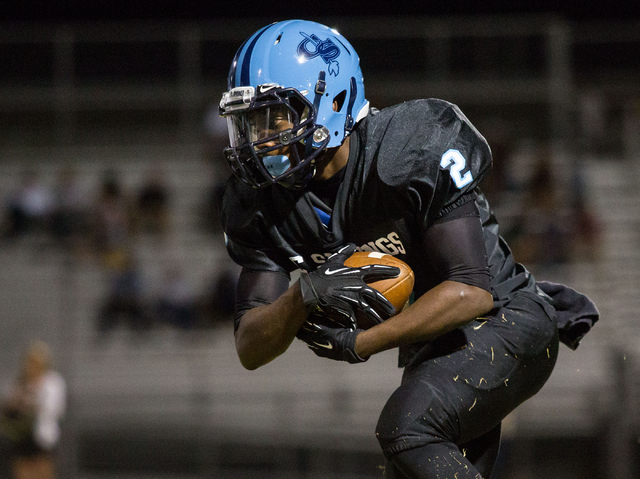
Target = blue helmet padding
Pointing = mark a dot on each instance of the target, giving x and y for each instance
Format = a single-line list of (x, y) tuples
[(292, 54)]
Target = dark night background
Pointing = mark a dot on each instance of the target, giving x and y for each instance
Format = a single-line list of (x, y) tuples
[(117, 10), (110, 89)]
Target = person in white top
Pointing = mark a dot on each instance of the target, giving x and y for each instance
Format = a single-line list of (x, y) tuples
[(31, 414)]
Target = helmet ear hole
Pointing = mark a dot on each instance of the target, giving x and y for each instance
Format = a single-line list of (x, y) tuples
[(338, 100)]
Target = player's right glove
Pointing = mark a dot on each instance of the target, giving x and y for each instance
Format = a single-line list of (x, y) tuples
[(338, 291)]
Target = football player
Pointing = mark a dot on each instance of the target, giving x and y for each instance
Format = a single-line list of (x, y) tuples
[(319, 174)]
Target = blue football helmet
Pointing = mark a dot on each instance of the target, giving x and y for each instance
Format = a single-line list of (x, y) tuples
[(283, 84)]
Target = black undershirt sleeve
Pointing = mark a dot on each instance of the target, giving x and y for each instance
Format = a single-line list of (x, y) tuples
[(454, 245), (256, 288)]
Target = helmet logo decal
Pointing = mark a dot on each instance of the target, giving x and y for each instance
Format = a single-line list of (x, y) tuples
[(325, 49)]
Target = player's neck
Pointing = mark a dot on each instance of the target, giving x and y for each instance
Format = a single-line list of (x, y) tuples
[(332, 161)]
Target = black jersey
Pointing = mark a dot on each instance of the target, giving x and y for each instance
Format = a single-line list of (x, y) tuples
[(409, 164)]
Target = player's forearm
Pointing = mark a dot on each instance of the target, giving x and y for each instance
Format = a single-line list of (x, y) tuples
[(267, 331), (444, 308)]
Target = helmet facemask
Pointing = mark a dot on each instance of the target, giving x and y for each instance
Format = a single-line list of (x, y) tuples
[(273, 135)]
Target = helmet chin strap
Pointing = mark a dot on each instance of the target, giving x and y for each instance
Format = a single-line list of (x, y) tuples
[(321, 87), (349, 122)]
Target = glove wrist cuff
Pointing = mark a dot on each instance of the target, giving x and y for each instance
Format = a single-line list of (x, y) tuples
[(355, 357), (309, 295)]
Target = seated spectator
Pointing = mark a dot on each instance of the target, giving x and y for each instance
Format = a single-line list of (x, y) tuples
[(175, 303), (152, 206), (498, 182), (111, 221), (69, 220), (587, 233), (215, 140), (586, 226), (541, 235), (218, 302), (124, 301), (29, 207), (208, 213)]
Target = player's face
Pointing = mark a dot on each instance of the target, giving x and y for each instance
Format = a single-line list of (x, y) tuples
[(271, 121), (262, 128), (269, 138), (258, 125)]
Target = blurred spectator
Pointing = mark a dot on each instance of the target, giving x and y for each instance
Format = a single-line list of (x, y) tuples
[(586, 228), (69, 220), (31, 415), (499, 181), (216, 139), (29, 207), (541, 234), (124, 300), (631, 129), (209, 214), (593, 121), (152, 206), (587, 233), (218, 303), (112, 222), (175, 303)]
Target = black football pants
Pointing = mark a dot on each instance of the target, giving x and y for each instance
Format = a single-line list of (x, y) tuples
[(444, 420)]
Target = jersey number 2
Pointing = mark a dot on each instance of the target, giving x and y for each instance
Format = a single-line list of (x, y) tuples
[(455, 162)]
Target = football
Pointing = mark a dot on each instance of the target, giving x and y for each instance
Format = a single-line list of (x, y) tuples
[(397, 290)]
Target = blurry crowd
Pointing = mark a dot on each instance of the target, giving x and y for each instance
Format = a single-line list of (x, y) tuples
[(66, 215), (548, 219), (105, 226), (545, 217)]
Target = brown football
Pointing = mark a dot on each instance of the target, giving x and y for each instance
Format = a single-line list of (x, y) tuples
[(397, 290)]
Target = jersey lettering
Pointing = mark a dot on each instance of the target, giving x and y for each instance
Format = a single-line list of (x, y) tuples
[(297, 259), (390, 244), (370, 246), (456, 163), (386, 246), (319, 258), (395, 239)]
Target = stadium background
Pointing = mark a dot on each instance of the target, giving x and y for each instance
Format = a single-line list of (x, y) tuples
[(129, 89)]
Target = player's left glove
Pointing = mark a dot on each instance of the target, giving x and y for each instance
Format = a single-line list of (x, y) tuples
[(333, 343), (338, 291)]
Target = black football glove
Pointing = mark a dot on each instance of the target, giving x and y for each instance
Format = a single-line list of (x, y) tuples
[(333, 343), (338, 291)]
